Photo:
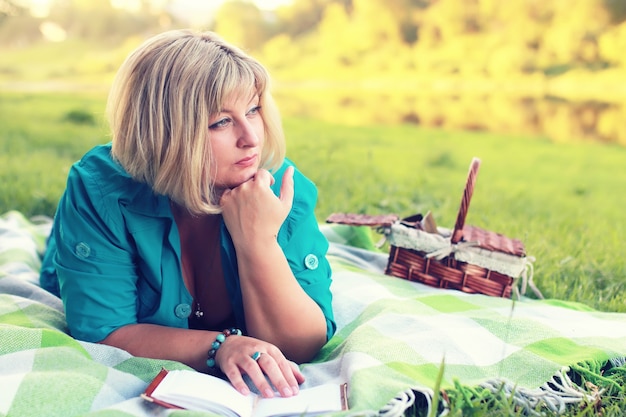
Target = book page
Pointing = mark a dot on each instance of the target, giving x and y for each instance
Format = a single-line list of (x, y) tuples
[(197, 391), (315, 400)]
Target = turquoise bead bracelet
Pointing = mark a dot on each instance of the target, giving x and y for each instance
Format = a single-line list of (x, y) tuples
[(218, 342)]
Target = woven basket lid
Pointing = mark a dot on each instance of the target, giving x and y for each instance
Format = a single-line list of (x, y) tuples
[(493, 241)]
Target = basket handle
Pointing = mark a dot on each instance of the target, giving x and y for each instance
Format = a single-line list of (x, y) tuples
[(457, 235)]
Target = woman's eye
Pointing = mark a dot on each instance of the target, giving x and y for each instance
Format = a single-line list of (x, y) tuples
[(254, 110), (220, 123)]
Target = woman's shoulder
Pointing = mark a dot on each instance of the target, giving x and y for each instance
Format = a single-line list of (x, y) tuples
[(98, 177), (98, 163), (304, 199), (305, 190)]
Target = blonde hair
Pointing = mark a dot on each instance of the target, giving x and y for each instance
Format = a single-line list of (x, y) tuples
[(159, 111)]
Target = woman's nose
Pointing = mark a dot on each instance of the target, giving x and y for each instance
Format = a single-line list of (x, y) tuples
[(247, 134)]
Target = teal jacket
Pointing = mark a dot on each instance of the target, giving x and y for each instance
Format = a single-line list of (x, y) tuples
[(114, 252)]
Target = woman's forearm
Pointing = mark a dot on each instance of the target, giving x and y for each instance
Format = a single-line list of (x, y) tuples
[(160, 342), (277, 309)]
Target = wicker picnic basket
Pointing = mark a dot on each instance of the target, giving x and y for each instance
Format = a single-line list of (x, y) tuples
[(466, 258)]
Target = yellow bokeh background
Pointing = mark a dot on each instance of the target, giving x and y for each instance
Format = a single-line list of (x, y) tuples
[(553, 68)]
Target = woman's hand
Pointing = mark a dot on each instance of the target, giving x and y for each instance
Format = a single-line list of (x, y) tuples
[(252, 211), (235, 358)]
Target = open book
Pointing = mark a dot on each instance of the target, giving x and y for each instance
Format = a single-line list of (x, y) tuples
[(193, 390)]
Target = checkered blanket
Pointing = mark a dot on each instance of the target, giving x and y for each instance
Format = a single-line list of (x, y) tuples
[(393, 339)]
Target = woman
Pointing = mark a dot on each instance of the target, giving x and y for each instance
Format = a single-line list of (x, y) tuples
[(191, 221)]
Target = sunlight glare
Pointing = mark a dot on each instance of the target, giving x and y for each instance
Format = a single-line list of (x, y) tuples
[(130, 5), (52, 32), (40, 8)]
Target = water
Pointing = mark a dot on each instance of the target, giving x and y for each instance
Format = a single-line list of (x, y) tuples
[(550, 117)]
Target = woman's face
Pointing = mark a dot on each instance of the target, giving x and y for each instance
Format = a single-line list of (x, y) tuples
[(236, 137)]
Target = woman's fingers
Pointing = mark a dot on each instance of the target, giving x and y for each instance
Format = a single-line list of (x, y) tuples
[(266, 367), (280, 373), (263, 178), (236, 379), (295, 369)]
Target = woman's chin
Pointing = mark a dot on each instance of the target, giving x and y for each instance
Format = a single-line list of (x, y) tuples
[(245, 176), (236, 181)]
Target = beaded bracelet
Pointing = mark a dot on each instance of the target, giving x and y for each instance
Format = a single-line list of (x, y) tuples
[(218, 342)]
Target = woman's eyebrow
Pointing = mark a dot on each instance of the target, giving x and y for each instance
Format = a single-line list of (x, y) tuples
[(227, 110), (255, 95)]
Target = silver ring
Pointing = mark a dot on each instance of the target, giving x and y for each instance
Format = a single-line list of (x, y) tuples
[(256, 356)]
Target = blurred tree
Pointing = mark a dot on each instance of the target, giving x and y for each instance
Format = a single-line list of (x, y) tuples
[(99, 20), (279, 52), (17, 26), (375, 33), (571, 37), (612, 45), (10, 8), (335, 46), (242, 23), (303, 16), (616, 9), (352, 35), (478, 37), (405, 13), (374, 25), (451, 18), (512, 32), (350, 39)]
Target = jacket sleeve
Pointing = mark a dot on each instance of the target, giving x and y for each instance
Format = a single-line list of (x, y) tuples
[(93, 260), (305, 246)]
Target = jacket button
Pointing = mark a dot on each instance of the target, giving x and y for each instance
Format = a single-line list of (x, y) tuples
[(182, 311), (82, 250), (311, 261)]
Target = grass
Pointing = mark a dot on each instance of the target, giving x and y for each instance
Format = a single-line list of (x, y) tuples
[(39, 140), (565, 201)]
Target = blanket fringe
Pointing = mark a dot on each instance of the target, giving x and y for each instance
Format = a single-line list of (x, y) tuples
[(555, 394), (618, 362), (399, 405), (402, 402)]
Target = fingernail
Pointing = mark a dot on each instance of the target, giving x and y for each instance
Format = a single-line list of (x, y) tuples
[(268, 393), (295, 389), (244, 391)]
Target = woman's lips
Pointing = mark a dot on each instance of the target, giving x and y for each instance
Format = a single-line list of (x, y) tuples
[(247, 162)]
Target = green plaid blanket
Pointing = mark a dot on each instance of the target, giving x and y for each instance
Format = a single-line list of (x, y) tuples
[(392, 339)]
